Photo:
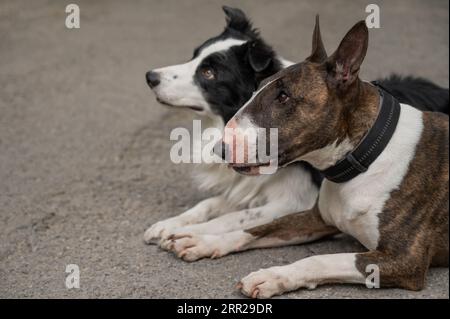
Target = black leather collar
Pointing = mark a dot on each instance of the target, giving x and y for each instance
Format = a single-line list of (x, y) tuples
[(372, 145)]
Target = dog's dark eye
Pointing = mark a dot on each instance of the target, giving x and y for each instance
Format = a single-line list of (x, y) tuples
[(282, 97), (208, 74)]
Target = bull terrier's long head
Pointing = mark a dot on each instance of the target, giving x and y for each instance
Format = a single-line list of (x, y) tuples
[(316, 105)]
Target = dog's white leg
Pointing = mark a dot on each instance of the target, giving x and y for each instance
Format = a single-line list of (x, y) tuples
[(203, 211), (305, 273), (229, 222), (195, 247), (292, 229)]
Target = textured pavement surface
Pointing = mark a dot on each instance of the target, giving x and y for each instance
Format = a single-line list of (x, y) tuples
[(84, 147)]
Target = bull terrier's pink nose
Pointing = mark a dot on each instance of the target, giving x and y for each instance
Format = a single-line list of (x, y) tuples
[(235, 143), (228, 139), (223, 147), (231, 129)]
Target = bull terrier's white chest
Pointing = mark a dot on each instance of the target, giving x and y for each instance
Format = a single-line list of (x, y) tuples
[(355, 206), (353, 211)]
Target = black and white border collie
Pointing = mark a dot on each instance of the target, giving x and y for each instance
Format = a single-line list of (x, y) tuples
[(222, 75)]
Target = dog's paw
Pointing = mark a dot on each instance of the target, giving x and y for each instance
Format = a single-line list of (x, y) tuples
[(180, 231), (192, 247), (161, 230), (265, 283)]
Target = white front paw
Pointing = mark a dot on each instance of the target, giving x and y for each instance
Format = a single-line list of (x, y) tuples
[(179, 231), (192, 247), (265, 283), (161, 230)]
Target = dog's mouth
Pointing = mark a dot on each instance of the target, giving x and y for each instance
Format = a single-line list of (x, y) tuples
[(251, 169), (192, 107)]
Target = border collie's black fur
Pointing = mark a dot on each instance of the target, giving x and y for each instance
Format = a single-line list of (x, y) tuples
[(418, 92), (241, 68)]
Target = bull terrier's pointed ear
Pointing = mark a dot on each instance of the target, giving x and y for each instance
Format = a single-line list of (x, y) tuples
[(318, 54), (236, 19), (259, 55), (343, 66)]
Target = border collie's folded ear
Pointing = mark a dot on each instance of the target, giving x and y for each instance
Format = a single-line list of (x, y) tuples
[(318, 54), (343, 66), (259, 55), (236, 19)]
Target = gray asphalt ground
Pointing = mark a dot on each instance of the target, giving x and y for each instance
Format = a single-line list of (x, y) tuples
[(84, 147)]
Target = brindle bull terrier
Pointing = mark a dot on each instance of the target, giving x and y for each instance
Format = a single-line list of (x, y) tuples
[(387, 174)]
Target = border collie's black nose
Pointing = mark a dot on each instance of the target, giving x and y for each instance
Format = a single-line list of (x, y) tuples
[(152, 78)]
